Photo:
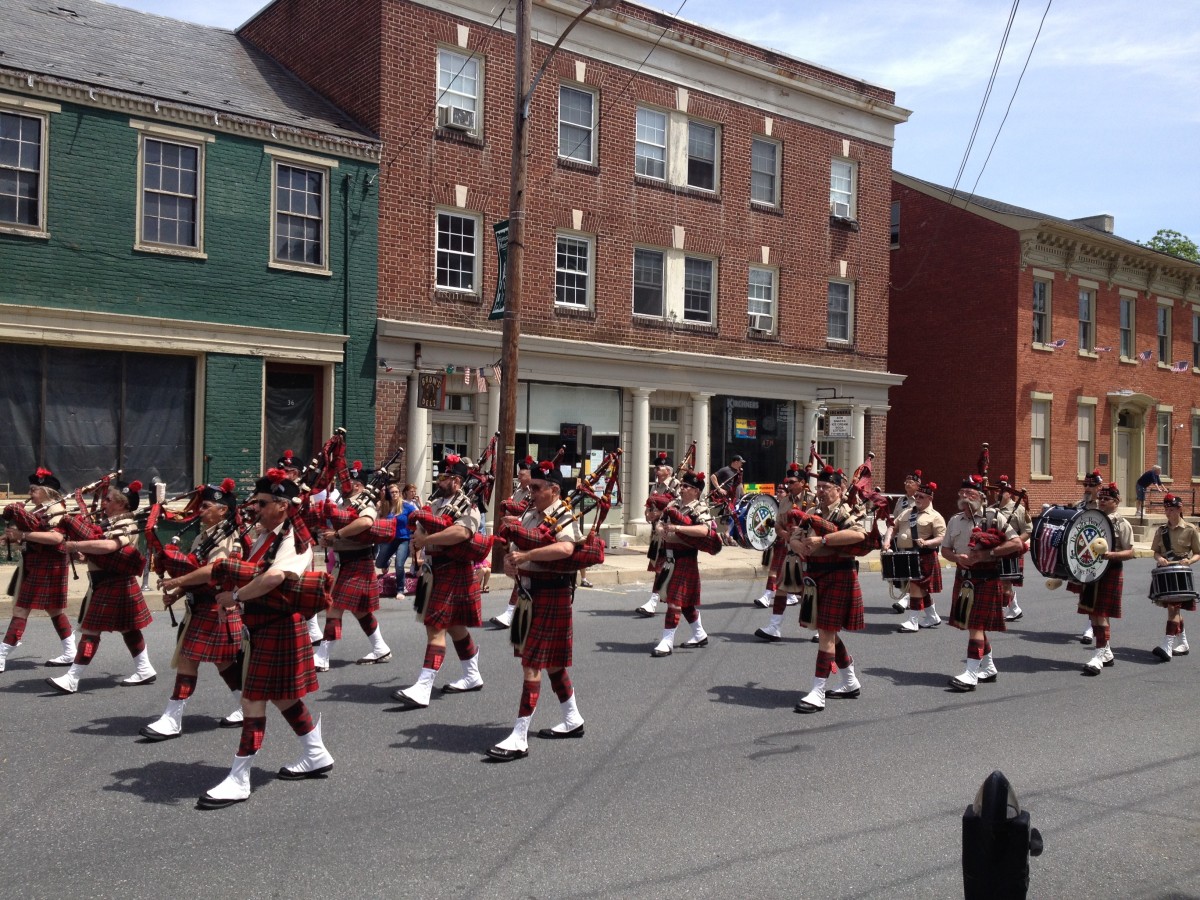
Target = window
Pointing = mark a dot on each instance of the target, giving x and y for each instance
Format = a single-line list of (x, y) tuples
[(648, 283), (1127, 329), (1087, 320), (572, 271), (576, 122), (702, 156), (1041, 312), (459, 84), (761, 299), (457, 252), (1164, 334), (171, 179), (895, 233), (1196, 340), (22, 171), (1163, 443), (299, 222), (650, 152), (1039, 438), (839, 311), (450, 438), (697, 290), (1195, 446), (459, 402), (764, 171), (841, 189), (662, 437), (1085, 438), (668, 415)]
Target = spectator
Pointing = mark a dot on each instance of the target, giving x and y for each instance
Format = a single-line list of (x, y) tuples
[(397, 504), (1151, 480)]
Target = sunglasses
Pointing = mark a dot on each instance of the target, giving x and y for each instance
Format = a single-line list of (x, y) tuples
[(261, 503)]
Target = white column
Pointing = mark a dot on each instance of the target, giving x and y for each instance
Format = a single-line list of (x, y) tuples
[(638, 486), (858, 437), (700, 420), (808, 428), (493, 415), (417, 451)]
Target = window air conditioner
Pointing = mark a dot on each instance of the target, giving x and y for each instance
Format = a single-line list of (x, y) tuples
[(761, 322), (839, 210), (455, 118)]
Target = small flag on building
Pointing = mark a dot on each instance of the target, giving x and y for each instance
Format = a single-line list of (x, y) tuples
[(1181, 365), (1145, 355), (1059, 344), (481, 383), (1104, 349), (466, 376)]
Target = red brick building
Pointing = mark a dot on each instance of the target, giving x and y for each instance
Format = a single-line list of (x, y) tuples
[(707, 235), (1066, 347)]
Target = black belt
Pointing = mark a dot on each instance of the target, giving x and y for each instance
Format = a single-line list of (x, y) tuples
[(981, 573), (1115, 563), (100, 576), (926, 551), (355, 555), (685, 553), (549, 581), (839, 565)]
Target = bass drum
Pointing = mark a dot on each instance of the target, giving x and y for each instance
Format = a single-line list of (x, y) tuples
[(756, 521), (1062, 541)]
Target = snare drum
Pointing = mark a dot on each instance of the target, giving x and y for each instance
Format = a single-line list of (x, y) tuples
[(756, 520), (1010, 567), (1060, 541), (900, 565), (1172, 584)]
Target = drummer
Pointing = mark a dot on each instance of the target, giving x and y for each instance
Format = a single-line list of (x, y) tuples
[(1008, 499), (1100, 600), (1175, 544), (1091, 484), (922, 528), (903, 505)]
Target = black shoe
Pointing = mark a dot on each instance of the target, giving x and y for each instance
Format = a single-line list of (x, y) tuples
[(1017, 618), (692, 645), (1085, 639), (451, 689), (806, 707), (988, 679), (763, 635), (551, 734), (365, 661), (843, 695), (495, 622), (898, 609), (644, 613), (961, 686), (1161, 654), (505, 755), (207, 802), (288, 775), (407, 701), (659, 654), (151, 735), (229, 723)]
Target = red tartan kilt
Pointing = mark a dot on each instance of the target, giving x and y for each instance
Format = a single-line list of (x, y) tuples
[(116, 604), (126, 561), (839, 600), (987, 612), (1186, 606), (778, 554), (356, 589), (44, 582), (931, 574), (281, 661), (207, 638), (1107, 590), (456, 598), (684, 588), (548, 645)]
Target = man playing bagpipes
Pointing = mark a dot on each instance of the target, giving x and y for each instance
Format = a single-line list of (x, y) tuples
[(976, 537), (291, 467), (827, 540), (543, 540), (114, 601), (663, 490), (922, 528), (1013, 502), (356, 590), (1100, 600), (276, 594), (686, 528), (516, 505), (448, 595), (206, 634), (40, 580), (791, 505)]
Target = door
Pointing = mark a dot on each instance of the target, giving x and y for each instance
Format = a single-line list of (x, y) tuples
[(1120, 468)]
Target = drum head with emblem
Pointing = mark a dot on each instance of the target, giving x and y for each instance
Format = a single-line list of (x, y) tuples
[(759, 520), (1082, 530)]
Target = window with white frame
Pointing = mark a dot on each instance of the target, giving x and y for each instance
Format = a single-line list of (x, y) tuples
[(1086, 438), (650, 151), (702, 156), (839, 315), (299, 212), (669, 284), (1163, 443), (458, 257), (169, 214), (459, 85), (1164, 334), (698, 290), (1039, 437), (1087, 319), (648, 297), (23, 161), (841, 189), (1196, 340), (576, 124), (764, 171), (573, 271), (1195, 446), (1041, 312), (450, 437), (1128, 328), (761, 299)]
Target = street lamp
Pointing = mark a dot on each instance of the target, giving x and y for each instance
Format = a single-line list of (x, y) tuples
[(511, 330)]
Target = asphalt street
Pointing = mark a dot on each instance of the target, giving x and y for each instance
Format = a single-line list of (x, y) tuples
[(695, 778)]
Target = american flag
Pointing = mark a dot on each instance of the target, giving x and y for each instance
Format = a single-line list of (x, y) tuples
[(1104, 349), (1145, 355), (1181, 365), (1059, 344)]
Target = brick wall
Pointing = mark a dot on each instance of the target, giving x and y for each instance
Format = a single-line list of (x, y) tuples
[(232, 438)]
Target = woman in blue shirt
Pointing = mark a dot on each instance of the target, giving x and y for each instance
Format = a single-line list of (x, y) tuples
[(397, 506)]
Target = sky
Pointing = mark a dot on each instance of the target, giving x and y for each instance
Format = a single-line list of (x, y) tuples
[(1105, 120)]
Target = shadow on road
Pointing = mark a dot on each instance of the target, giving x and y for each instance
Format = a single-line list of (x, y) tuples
[(754, 695), (641, 647), (374, 694), (469, 739), (114, 726), (174, 783), (903, 678)]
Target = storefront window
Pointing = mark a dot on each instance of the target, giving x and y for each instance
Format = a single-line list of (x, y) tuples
[(544, 409), (761, 431)]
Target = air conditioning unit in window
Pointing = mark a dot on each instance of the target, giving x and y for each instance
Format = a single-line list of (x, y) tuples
[(839, 210), (455, 118), (761, 322)]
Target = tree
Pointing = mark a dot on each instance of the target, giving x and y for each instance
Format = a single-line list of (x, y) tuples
[(1176, 244)]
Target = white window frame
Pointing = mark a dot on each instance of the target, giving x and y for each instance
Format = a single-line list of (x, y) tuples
[(716, 158), (565, 153), (639, 142), (195, 140), (1162, 448), (1162, 323), (838, 196), (755, 305), (1087, 320), (829, 336), (1195, 340), (1040, 408), (33, 109), (281, 156), (1085, 438), (589, 274), (777, 150), (674, 268), (1045, 315), (1195, 445), (476, 255), (685, 313), (1127, 331), (453, 61)]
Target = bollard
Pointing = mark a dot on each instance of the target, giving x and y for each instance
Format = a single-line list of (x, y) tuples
[(997, 841)]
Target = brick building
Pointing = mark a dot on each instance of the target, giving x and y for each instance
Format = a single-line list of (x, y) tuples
[(188, 249), (706, 239), (1064, 346)]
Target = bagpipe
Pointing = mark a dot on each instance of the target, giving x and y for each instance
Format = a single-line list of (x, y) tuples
[(307, 594), (476, 487), (680, 516)]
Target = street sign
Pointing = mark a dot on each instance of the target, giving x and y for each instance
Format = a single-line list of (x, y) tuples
[(500, 229)]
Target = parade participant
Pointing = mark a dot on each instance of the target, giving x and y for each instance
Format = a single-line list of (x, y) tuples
[(114, 601), (1100, 600), (1091, 484), (516, 505), (40, 581), (794, 486), (725, 485), (825, 542), (1009, 501), (279, 665), (1176, 543), (976, 536), (206, 634), (291, 467), (1150, 480), (664, 488), (453, 604), (922, 528), (356, 589), (686, 528), (904, 503), (547, 646)]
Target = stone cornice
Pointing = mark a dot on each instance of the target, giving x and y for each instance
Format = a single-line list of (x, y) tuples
[(67, 91)]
